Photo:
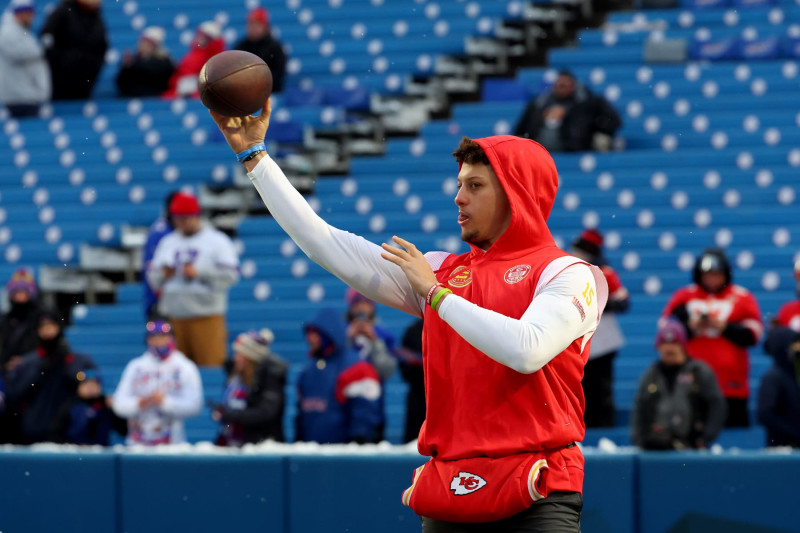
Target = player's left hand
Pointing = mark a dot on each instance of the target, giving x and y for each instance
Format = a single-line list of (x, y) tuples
[(415, 267)]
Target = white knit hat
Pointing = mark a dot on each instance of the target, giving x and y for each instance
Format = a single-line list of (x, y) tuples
[(210, 29), (154, 34), (254, 344)]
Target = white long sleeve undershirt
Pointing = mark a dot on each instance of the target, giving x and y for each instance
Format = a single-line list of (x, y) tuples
[(551, 323)]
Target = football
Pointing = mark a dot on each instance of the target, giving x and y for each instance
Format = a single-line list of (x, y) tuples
[(235, 83)]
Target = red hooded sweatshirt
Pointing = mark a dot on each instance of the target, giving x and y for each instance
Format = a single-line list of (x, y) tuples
[(500, 440)]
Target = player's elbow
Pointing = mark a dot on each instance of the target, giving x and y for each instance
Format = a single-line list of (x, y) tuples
[(526, 362)]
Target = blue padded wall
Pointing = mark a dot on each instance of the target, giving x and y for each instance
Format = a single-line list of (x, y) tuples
[(358, 494), (201, 493), (732, 493), (69, 493), (332, 492)]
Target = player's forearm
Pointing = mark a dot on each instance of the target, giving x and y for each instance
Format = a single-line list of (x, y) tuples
[(549, 325), (351, 258)]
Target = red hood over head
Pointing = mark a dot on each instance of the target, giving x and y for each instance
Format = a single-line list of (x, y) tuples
[(529, 176)]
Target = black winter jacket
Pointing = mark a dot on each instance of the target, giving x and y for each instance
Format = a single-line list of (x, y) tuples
[(587, 114), (75, 45), (271, 51), (262, 417), (38, 388), (779, 393)]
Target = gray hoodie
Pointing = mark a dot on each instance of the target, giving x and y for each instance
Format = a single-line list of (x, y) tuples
[(213, 255), (25, 75)]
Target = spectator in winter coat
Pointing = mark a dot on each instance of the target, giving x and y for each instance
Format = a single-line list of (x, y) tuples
[(679, 404), (373, 342), (87, 418), (25, 81), (207, 43), (723, 320), (598, 374), (18, 336), (569, 118), (193, 268), (45, 380), (147, 72), (789, 313), (158, 230), (339, 395), (259, 41), (779, 393), (410, 355), (252, 410), (158, 390), (74, 37), (18, 327)]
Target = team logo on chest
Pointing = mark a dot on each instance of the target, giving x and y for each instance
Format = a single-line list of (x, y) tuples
[(461, 276), (517, 273), (466, 483)]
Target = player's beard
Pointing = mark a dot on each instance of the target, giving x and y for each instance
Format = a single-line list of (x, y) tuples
[(469, 236), (472, 238)]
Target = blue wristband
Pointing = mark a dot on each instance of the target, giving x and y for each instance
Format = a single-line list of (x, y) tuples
[(242, 156)]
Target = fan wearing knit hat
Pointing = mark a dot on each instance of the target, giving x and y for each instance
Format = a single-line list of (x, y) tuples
[(147, 72), (18, 326), (598, 376), (158, 390), (679, 404), (252, 407), (18, 336)]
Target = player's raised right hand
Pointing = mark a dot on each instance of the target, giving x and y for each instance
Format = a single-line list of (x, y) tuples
[(244, 132)]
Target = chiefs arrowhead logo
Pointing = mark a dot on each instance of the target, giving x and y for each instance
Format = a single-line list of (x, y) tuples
[(466, 483), (517, 273), (461, 276)]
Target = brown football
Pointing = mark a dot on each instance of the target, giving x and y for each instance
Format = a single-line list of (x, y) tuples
[(235, 83)]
